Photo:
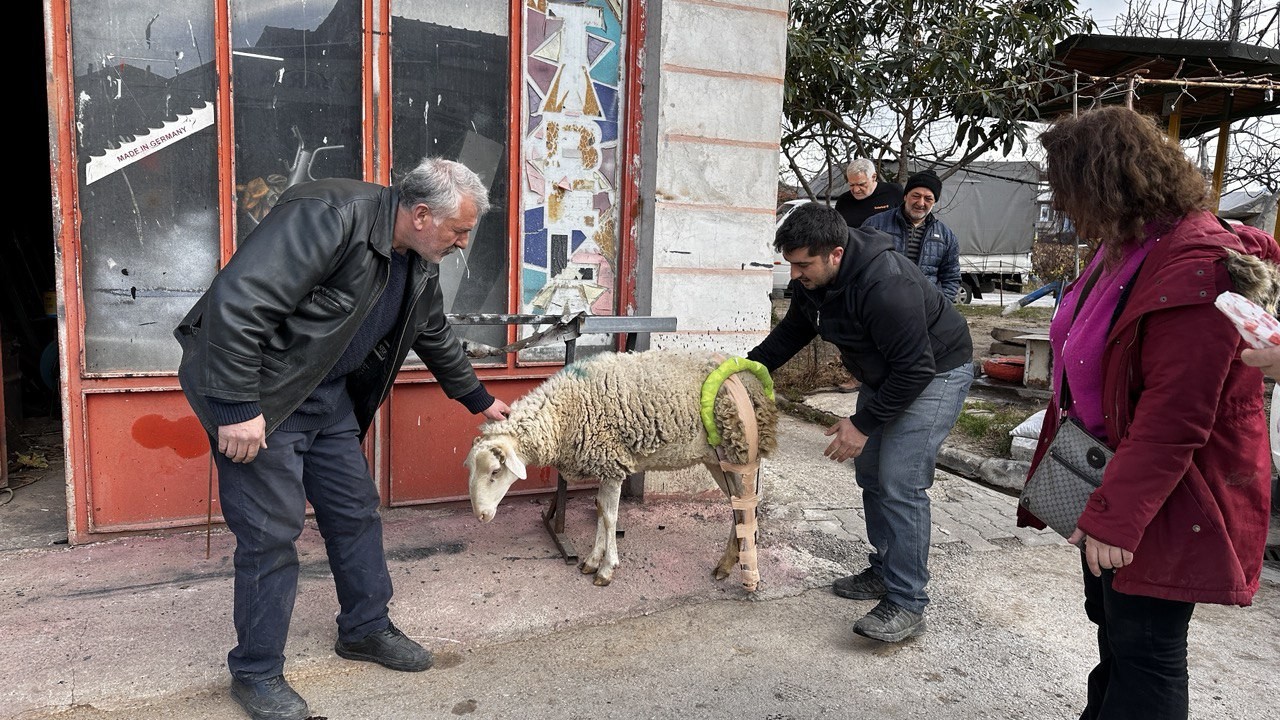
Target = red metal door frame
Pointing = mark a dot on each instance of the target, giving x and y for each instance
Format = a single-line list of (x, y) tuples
[(4, 425)]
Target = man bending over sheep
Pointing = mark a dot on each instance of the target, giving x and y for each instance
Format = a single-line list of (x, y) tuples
[(911, 351)]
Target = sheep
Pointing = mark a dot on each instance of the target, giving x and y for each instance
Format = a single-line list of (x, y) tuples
[(612, 415)]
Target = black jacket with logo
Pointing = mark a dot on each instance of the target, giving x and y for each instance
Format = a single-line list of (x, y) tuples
[(894, 329), (279, 315), (886, 196)]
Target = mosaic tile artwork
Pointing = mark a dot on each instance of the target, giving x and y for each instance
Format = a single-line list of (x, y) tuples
[(570, 177)]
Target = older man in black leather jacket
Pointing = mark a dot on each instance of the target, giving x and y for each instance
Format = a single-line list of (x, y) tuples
[(286, 359)]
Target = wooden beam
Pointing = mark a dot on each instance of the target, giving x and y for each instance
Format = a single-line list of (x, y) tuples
[(1220, 161), (1175, 120)]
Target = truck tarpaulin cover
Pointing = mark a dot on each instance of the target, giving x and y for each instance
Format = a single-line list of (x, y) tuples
[(991, 207)]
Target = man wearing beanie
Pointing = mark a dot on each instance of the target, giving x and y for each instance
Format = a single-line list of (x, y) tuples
[(920, 235)]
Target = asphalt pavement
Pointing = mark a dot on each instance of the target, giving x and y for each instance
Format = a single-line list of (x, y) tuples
[(139, 628)]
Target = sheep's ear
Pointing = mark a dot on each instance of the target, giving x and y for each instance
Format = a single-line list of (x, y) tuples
[(514, 463)]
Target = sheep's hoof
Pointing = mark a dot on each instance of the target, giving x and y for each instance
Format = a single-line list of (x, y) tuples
[(720, 573), (585, 568), (602, 581)]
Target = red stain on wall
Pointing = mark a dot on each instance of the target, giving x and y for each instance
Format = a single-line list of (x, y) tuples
[(186, 437)]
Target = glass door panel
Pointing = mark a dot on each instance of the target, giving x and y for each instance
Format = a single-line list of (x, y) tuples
[(449, 81), (144, 85), (296, 85)]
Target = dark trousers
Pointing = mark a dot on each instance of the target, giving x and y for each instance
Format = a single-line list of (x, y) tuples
[(1142, 650), (264, 503)]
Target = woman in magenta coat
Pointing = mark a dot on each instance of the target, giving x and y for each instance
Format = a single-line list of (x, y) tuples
[(1154, 371)]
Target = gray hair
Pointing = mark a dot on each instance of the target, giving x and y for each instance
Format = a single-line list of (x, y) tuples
[(860, 166), (441, 185)]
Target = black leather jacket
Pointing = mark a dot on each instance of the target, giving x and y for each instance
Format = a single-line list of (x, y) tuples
[(894, 329), (277, 318)]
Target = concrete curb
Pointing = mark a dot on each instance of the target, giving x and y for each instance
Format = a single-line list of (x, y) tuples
[(999, 472)]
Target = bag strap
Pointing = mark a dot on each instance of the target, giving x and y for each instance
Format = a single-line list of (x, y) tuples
[(1064, 397)]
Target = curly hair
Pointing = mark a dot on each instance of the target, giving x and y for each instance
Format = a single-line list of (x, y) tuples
[(1113, 171)]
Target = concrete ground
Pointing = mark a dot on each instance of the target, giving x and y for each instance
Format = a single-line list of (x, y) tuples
[(139, 628), (1005, 298)]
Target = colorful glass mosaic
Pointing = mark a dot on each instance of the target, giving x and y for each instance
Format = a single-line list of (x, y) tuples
[(570, 178)]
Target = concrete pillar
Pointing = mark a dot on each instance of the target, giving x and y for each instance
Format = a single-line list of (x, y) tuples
[(712, 121)]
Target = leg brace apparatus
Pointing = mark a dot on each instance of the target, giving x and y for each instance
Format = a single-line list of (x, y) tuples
[(742, 481)]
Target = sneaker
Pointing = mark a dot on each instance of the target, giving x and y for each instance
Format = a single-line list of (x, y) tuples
[(888, 622), (270, 699), (388, 647), (866, 585)]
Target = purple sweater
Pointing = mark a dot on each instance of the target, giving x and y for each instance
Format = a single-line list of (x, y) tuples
[(1078, 344)]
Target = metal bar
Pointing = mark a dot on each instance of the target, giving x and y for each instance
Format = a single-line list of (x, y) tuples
[(626, 323), (553, 520), (1242, 85), (502, 319), (590, 324)]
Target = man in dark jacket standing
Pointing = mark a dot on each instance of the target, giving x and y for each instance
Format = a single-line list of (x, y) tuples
[(911, 351), (866, 195), (920, 235), (286, 358)]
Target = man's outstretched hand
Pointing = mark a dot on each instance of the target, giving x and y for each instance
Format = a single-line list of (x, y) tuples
[(848, 443), (497, 411)]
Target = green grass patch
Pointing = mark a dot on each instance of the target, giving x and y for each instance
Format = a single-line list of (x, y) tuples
[(1030, 314), (989, 424)]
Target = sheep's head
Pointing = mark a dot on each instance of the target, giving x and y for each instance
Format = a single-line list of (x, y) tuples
[(494, 464)]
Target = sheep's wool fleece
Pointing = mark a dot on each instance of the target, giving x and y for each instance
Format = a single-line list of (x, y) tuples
[(614, 414)]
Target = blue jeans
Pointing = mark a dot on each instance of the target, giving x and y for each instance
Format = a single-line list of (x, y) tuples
[(264, 504), (894, 471), (1142, 653)]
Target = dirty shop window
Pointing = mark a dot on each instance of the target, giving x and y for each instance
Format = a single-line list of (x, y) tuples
[(297, 94), (145, 144), (450, 88)]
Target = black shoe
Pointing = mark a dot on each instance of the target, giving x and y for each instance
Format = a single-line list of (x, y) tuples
[(866, 585), (388, 647), (270, 699), (889, 622)]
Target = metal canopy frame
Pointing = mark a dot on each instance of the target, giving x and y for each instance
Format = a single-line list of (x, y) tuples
[(1197, 85), (1207, 82)]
